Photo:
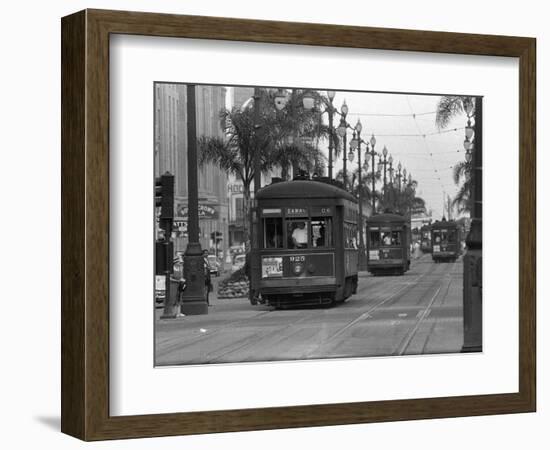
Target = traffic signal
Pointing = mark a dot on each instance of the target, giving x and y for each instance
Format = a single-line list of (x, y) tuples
[(216, 236), (164, 196)]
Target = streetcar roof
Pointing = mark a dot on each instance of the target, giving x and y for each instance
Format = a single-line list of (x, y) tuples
[(303, 189), (444, 224), (386, 218)]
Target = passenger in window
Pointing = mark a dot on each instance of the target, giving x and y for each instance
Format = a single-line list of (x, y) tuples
[(299, 235), (387, 239), (321, 239)]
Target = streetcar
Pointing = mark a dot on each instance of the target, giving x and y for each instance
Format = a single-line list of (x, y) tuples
[(446, 240), (307, 254), (388, 244), (426, 239)]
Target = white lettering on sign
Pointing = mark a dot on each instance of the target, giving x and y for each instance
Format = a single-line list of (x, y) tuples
[(295, 211), (297, 258)]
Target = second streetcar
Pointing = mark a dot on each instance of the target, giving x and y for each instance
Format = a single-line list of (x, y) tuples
[(388, 244)]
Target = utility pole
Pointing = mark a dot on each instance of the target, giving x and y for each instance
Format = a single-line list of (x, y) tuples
[(194, 295), (472, 292), (254, 254)]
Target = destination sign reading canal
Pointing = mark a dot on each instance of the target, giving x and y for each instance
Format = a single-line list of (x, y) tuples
[(296, 212)]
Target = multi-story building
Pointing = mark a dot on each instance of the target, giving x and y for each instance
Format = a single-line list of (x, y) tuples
[(171, 156)]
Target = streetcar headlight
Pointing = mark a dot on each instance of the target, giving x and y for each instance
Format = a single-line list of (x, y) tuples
[(298, 269)]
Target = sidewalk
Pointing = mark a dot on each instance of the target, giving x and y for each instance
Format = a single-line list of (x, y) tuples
[(231, 308)]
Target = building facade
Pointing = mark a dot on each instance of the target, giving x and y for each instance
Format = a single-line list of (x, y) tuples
[(171, 156)]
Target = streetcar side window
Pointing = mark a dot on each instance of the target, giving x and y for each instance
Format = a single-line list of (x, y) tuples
[(273, 232), (321, 232), (451, 236), (350, 235), (297, 233)]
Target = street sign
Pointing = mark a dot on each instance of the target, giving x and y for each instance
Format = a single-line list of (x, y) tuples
[(205, 211)]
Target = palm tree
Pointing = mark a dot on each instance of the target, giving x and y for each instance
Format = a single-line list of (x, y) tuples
[(463, 171), (450, 106), (447, 108), (279, 139), (403, 201), (299, 132), (352, 184)]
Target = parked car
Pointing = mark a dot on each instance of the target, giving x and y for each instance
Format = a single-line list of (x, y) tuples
[(160, 289), (214, 265), (238, 262)]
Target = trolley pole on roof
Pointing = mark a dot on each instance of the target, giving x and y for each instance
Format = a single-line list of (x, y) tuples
[(193, 299), (472, 296)]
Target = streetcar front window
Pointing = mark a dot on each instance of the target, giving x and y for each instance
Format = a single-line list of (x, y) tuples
[(273, 232), (297, 233), (321, 232), (444, 236), (396, 238), (374, 239), (384, 238)]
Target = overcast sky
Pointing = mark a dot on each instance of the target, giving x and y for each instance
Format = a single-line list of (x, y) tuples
[(405, 124)]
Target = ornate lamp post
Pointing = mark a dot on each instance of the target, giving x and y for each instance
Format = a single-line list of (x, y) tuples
[(342, 131), (308, 100), (373, 153), (193, 298), (399, 176), (356, 144), (330, 110)]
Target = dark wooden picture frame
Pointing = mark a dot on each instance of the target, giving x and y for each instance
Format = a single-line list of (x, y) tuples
[(85, 224)]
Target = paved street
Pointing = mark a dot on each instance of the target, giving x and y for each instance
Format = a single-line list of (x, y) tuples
[(417, 313)]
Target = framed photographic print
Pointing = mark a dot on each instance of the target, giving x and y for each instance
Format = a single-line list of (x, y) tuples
[(272, 225)]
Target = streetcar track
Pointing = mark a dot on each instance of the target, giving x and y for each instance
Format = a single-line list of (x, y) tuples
[(434, 322), (435, 270), (374, 283), (251, 339), (204, 336), (365, 315), (260, 335), (408, 338)]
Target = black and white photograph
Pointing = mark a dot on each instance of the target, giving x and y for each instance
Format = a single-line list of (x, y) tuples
[(301, 223)]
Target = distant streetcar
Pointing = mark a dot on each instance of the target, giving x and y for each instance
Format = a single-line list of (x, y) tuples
[(308, 244), (446, 240), (388, 244)]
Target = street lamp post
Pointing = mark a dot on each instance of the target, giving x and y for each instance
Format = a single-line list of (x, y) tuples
[(309, 103), (356, 144), (330, 110), (194, 296), (399, 166), (373, 193), (342, 131), (253, 255)]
